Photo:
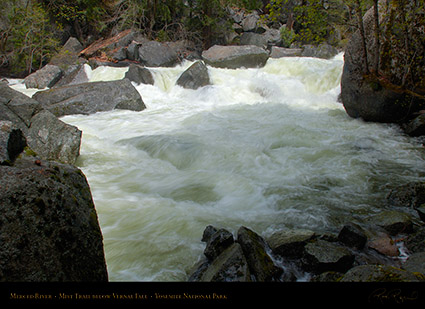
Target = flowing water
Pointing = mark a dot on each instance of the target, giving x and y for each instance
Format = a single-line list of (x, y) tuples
[(267, 148)]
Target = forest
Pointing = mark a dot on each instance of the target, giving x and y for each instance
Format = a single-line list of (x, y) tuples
[(33, 30)]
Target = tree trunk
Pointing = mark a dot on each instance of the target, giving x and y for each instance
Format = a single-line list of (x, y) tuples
[(377, 37), (362, 33)]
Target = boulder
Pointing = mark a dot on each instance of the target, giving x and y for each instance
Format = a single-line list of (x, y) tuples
[(382, 243), (139, 75), (249, 23), (280, 52), (49, 137), (89, 98), (378, 273), (408, 195), (416, 126), (156, 54), (12, 142), (394, 222), (52, 139), (229, 266), (49, 230), (370, 98), (324, 51), (255, 248), (234, 57), (217, 243), (415, 263), (76, 74), (46, 77), (252, 38), (416, 242), (290, 244), (195, 76), (68, 55), (320, 256), (352, 235)]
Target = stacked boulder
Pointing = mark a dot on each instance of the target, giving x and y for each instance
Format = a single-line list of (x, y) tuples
[(386, 247)]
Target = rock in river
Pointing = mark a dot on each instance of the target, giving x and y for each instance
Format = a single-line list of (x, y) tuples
[(89, 98), (234, 57)]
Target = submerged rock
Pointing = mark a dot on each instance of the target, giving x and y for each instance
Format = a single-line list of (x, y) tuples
[(49, 229), (234, 57), (89, 98)]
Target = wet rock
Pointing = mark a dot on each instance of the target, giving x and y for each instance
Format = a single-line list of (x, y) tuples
[(255, 250), (89, 98), (383, 244), (217, 243), (415, 127), (378, 273), (328, 276), (421, 212), (156, 54), (52, 139), (321, 256), (415, 263), (352, 235), (12, 142), (208, 232), (394, 222), (139, 75), (234, 57), (195, 76), (290, 243), (46, 77), (229, 266), (416, 242), (49, 229)]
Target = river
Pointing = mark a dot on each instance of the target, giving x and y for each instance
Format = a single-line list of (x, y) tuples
[(267, 148)]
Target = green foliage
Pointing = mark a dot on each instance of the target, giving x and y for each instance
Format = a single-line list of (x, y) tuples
[(287, 36), (28, 41)]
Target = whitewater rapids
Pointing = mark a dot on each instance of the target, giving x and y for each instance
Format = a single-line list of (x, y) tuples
[(267, 148)]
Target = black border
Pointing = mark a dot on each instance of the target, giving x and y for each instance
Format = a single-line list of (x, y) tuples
[(144, 293)]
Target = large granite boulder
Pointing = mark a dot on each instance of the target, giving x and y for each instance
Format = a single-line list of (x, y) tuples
[(89, 98), (46, 135), (52, 139), (364, 96), (49, 229), (234, 57)]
